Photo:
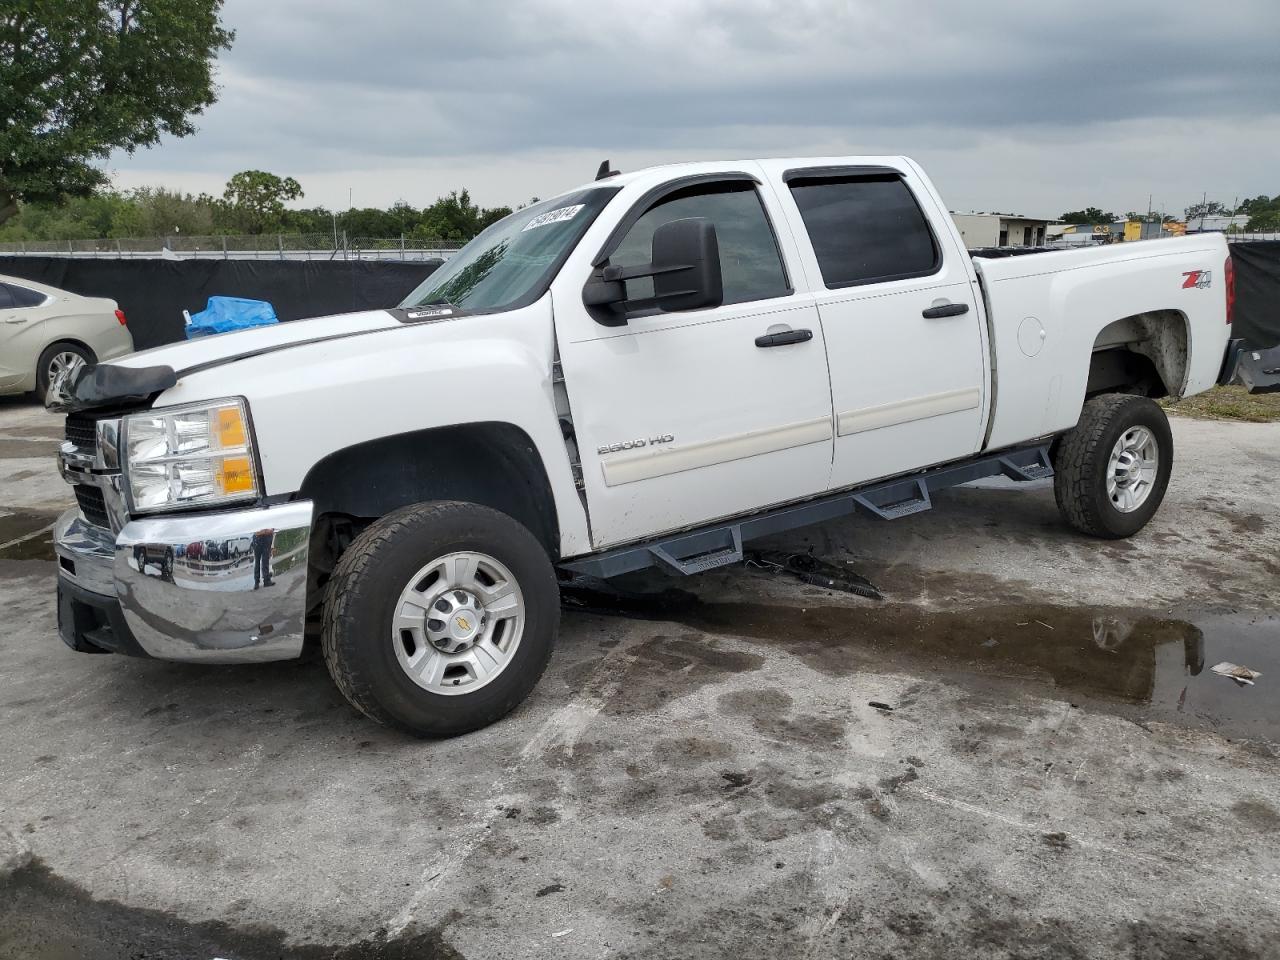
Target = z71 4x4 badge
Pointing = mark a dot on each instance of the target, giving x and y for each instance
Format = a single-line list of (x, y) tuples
[(1200, 279)]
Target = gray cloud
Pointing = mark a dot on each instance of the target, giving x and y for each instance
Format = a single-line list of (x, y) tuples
[(367, 94)]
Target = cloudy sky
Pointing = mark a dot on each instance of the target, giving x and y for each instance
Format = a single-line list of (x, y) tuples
[(1016, 106)]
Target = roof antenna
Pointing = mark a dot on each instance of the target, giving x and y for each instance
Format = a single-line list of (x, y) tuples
[(603, 172)]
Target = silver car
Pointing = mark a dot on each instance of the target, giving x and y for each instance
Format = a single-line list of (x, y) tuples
[(44, 330)]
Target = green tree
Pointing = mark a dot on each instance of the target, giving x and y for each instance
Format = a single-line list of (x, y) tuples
[(78, 218), (254, 200), (1211, 208), (370, 222), (1263, 213), (1089, 215), (80, 78), (455, 217), (155, 211)]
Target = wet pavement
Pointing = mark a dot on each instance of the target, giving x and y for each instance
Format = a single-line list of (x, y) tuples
[(27, 536), (46, 918), (1021, 751), (1148, 659)]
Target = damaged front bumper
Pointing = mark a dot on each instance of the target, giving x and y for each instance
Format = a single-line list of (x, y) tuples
[(219, 587)]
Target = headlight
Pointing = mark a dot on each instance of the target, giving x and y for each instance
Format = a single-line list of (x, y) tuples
[(190, 455)]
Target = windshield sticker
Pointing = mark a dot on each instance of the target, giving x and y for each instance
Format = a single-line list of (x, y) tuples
[(555, 216)]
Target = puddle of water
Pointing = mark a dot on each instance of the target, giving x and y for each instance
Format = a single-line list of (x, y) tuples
[(19, 527), (1158, 662)]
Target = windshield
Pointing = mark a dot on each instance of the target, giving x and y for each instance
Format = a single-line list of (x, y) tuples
[(512, 262)]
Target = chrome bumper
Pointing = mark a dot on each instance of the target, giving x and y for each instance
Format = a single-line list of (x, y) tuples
[(185, 584)]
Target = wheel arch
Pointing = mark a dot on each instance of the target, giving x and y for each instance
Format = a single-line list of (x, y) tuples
[(492, 463), (1145, 353)]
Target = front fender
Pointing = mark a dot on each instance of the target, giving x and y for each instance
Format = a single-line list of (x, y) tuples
[(312, 400)]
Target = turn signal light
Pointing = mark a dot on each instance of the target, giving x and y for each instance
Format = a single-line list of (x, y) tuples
[(234, 475)]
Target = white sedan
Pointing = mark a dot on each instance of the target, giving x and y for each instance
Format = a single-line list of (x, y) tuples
[(44, 330)]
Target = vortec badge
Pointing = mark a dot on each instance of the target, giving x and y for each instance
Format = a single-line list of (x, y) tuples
[(1200, 279)]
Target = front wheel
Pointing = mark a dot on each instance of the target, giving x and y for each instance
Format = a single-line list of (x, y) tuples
[(57, 359), (1112, 469), (440, 618)]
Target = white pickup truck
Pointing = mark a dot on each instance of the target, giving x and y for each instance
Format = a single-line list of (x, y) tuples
[(648, 370)]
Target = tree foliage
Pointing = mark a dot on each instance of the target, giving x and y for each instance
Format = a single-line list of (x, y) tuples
[(1263, 212), (1211, 208), (455, 217), (80, 78), (254, 199), (1090, 215)]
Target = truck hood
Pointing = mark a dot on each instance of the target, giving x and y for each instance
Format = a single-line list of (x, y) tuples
[(205, 352), (139, 376)]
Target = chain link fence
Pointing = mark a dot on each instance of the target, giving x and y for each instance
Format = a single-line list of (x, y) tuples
[(273, 246)]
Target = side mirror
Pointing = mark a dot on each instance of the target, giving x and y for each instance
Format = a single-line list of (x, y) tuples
[(685, 267)]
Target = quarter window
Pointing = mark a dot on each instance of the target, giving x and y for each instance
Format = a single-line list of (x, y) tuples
[(749, 260), (865, 229), (22, 297)]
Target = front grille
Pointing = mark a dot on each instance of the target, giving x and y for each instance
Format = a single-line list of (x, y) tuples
[(82, 431), (93, 504)]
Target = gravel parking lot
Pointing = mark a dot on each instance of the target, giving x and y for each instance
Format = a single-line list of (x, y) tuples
[(1021, 751)]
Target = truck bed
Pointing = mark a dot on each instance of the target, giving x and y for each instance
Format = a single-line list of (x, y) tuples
[(1042, 314)]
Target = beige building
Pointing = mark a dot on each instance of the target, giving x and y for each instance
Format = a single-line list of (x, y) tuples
[(1000, 230)]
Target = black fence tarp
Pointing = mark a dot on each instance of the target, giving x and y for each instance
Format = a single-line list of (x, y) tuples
[(1257, 314), (153, 293)]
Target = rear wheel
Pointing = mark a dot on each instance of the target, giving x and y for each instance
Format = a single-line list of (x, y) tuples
[(1112, 470), (58, 358), (440, 618)]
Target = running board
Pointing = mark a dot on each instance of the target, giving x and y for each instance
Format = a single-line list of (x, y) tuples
[(719, 545)]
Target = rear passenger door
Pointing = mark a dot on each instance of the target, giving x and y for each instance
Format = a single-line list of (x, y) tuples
[(899, 312)]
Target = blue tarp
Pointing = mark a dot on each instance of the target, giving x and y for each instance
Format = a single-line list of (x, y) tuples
[(225, 314)]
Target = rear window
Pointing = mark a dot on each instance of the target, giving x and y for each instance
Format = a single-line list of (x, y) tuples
[(865, 229)]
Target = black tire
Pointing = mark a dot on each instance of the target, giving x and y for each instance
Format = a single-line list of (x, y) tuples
[(46, 358), (1082, 458), (356, 635)]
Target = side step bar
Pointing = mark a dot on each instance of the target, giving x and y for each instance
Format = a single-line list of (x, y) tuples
[(719, 545)]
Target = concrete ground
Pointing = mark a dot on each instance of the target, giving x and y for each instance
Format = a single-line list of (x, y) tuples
[(1021, 752)]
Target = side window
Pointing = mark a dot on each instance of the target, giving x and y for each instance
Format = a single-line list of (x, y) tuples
[(749, 258), (865, 229), (22, 297), (6, 298)]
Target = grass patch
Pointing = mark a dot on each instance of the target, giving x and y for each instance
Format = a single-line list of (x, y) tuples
[(1228, 403)]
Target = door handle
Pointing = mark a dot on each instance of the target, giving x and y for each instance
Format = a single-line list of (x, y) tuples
[(783, 338), (945, 310), (15, 319)]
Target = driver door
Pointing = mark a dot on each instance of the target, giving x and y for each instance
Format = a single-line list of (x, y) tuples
[(686, 417)]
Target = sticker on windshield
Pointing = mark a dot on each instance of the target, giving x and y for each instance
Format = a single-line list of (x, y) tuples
[(555, 216)]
